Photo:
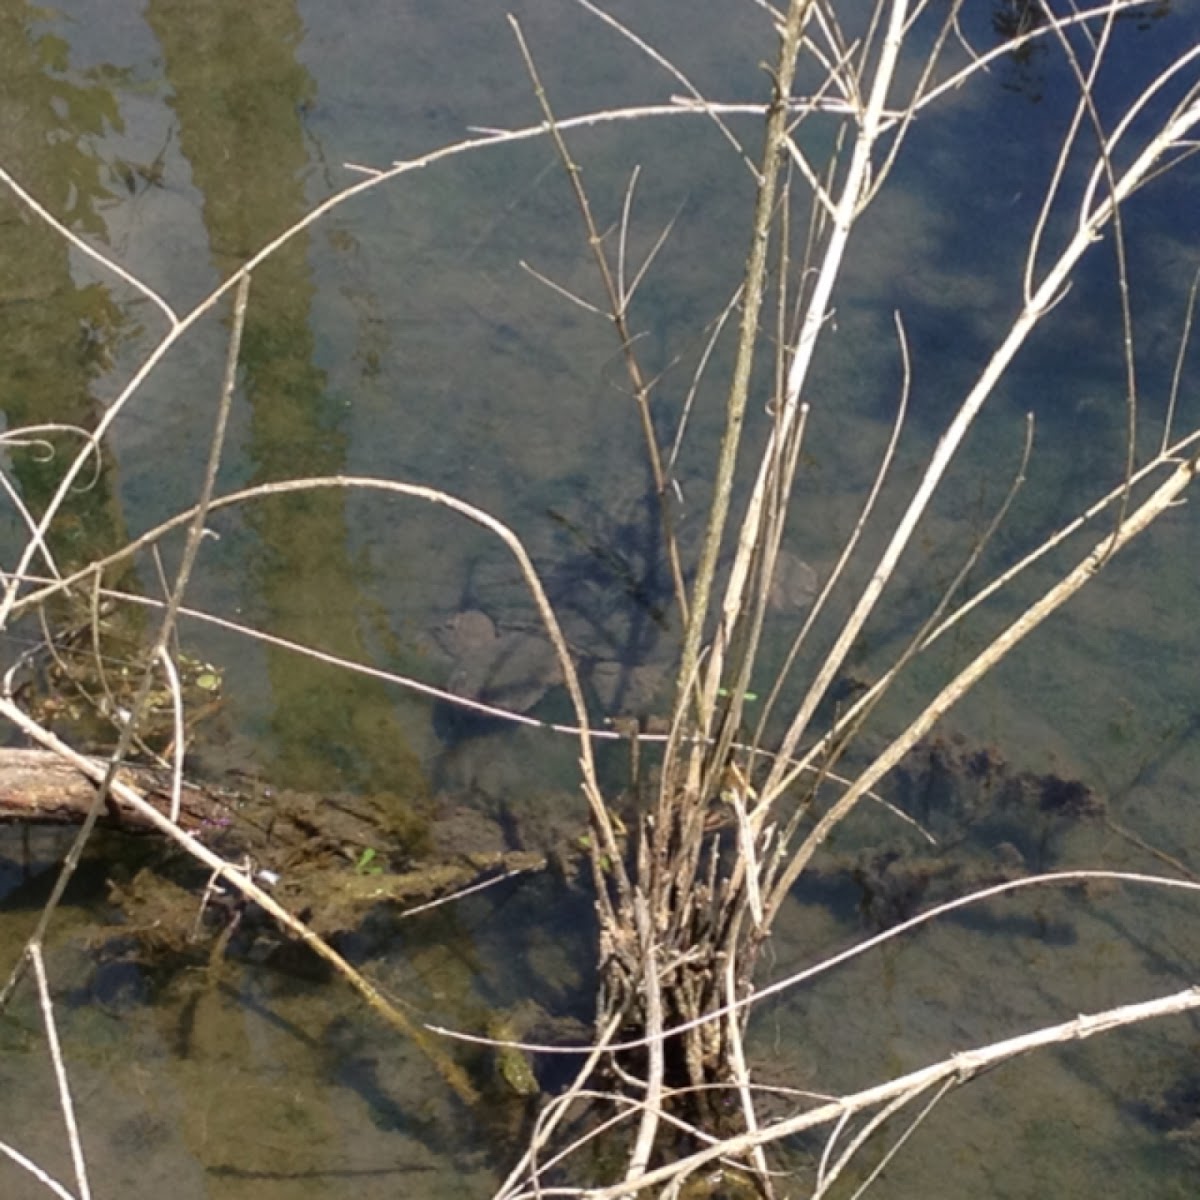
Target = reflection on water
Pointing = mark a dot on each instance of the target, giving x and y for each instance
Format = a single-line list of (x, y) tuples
[(400, 337)]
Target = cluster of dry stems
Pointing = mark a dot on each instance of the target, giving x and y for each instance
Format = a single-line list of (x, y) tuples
[(683, 923)]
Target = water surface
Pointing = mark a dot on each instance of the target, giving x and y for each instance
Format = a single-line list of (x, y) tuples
[(401, 338)]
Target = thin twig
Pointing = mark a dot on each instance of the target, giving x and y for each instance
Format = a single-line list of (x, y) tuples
[(618, 305), (1061, 879), (1153, 507), (241, 880), (27, 1164), (66, 1104), (957, 1069)]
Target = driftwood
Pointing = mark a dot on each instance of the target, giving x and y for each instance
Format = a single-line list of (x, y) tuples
[(322, 852), (38, 787)]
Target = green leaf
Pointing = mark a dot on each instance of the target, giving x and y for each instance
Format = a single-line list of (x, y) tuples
[(366, 865)]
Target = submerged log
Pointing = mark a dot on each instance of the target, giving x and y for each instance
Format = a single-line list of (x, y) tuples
[(38, 787), (323, 854)]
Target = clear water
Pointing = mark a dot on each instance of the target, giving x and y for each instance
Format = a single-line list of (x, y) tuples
[(400, 337)]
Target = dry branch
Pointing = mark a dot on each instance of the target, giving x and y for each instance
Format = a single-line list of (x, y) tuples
[(958, 1069)]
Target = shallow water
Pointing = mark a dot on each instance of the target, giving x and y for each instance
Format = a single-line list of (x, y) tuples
[(400, 337)]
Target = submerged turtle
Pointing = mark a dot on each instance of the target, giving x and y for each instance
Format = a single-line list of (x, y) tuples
[(794, 585), (511, 670)]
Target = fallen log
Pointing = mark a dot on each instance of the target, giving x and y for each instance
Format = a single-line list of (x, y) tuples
[(310, 847), (38, 787)]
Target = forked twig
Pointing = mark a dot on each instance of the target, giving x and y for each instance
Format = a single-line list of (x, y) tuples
[(878, 1168), (618, 305)]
